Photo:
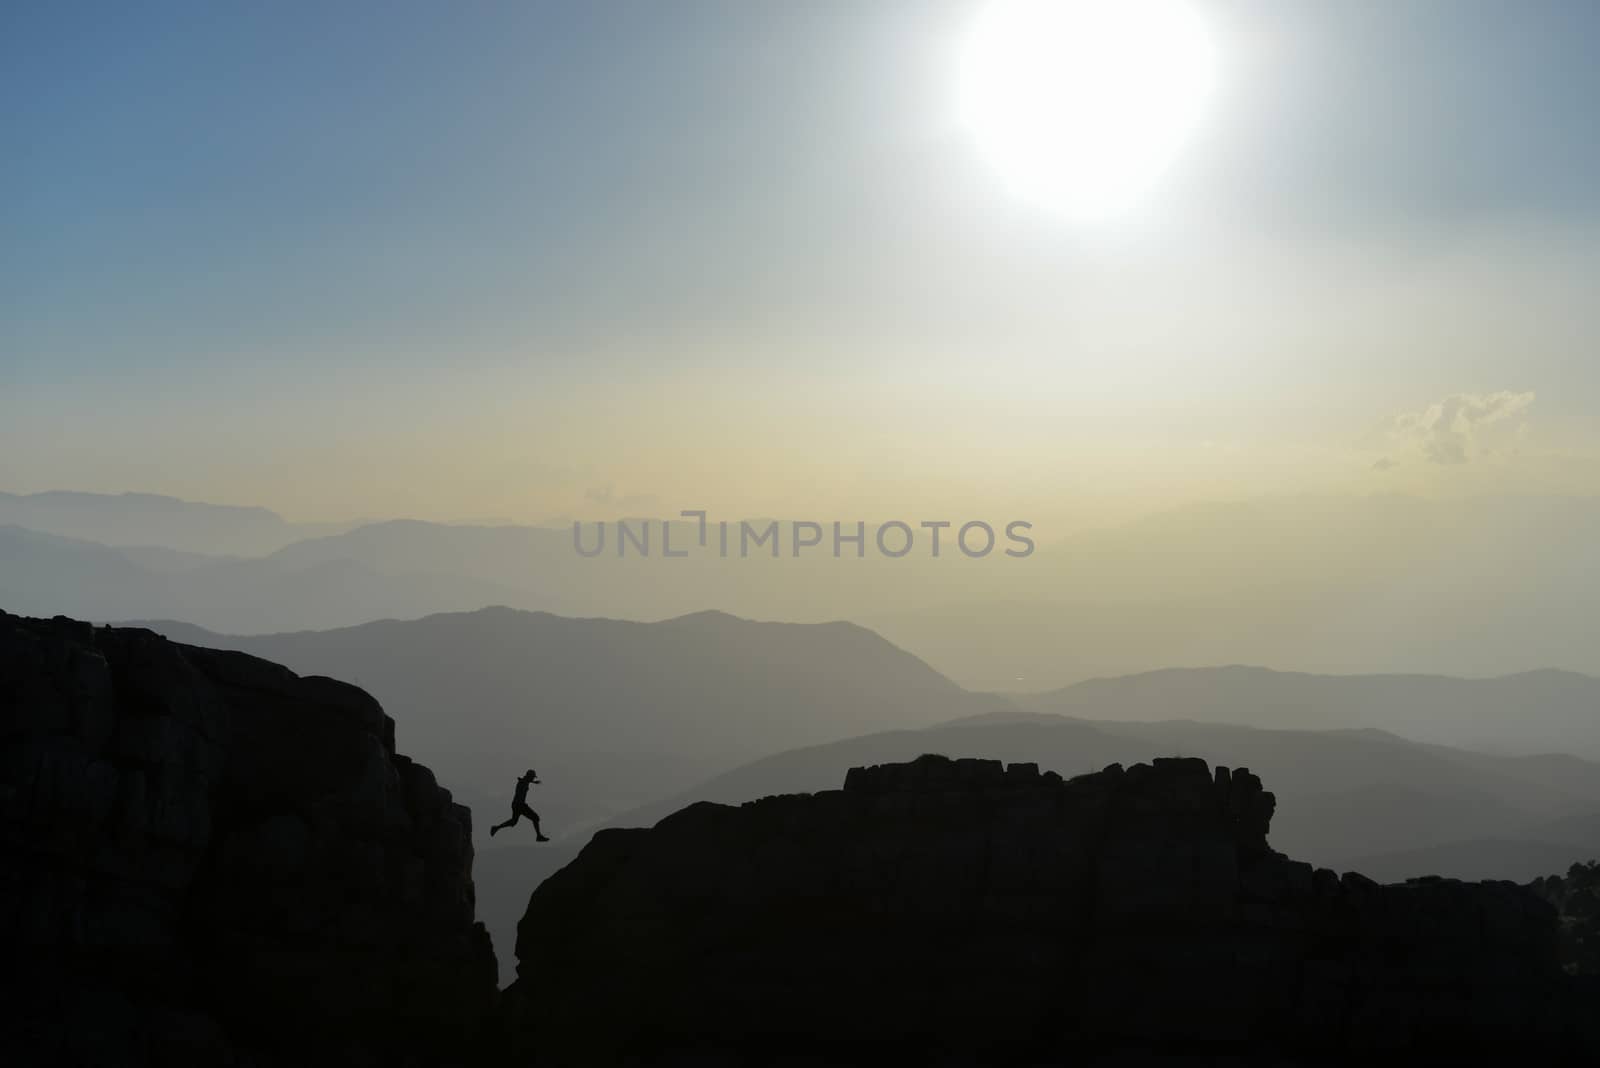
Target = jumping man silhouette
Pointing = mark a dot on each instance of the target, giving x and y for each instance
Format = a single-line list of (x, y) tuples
[(519, 807)]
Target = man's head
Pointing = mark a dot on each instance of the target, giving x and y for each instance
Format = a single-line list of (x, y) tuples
[(530, 774)]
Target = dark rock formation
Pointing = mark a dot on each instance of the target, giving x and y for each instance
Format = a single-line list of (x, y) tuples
[(1576, 898), (207, 859), (963, 912)]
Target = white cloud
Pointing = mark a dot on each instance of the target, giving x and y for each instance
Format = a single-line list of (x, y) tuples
[(1457, 429)]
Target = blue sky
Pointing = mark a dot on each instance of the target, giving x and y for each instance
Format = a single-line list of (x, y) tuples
[(203, 198)]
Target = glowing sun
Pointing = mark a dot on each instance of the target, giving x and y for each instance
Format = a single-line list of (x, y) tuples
[(1081, 104)]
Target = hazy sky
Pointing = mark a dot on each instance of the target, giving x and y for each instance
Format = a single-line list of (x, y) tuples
[(529, 259)]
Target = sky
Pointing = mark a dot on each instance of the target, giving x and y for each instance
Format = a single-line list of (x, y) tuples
[(522, 260)]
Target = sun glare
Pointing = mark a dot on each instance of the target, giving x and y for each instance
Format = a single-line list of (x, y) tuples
[(1081, 104)]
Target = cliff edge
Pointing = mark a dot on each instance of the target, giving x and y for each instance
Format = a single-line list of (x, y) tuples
[(209, 859), (961, 911)]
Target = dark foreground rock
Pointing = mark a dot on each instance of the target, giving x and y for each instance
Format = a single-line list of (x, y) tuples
[(1576, 898), (962, 912), (206, 859)]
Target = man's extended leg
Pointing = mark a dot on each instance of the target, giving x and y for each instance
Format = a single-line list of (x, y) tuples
[(512, 822), (534, 816)]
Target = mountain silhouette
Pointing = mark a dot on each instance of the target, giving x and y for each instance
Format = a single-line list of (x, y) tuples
[(46, 574), (149, 519), (1526, 713), (614, 713)]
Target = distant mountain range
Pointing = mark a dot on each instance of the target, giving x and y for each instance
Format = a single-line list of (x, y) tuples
[(622, 712), (1529, 712), (49, 574), (1339, 585), (148, 519)]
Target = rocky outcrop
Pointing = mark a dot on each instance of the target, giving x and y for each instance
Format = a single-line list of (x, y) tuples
[(1576, 898), (959, 911), (207, 859)]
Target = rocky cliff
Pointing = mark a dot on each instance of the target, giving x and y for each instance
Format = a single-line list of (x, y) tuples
[(207, 859), (965, 912), (1576, 898)]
